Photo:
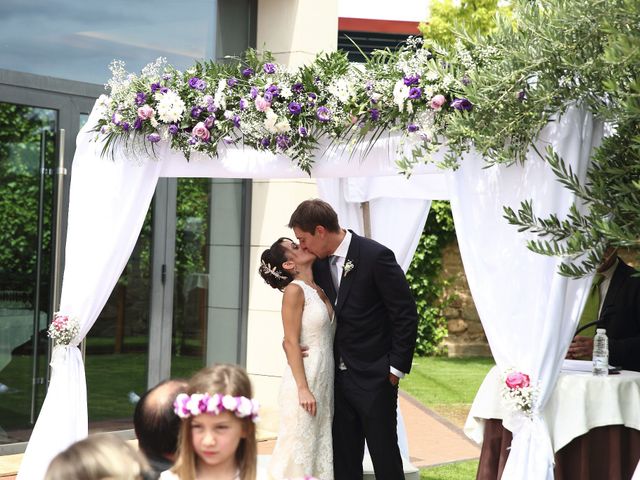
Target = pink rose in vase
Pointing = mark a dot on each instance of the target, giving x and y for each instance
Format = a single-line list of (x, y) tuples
[(517, 380)]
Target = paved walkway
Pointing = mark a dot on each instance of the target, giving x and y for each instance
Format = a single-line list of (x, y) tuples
[(432, 440)]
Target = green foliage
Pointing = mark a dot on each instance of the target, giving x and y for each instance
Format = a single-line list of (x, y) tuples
[(476, 16), (21, 129), (563, 53), (424, 279)]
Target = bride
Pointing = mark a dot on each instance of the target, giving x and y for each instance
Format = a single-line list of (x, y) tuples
[(304, 445)]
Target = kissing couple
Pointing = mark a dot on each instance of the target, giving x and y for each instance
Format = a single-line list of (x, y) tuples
[(350, 327)]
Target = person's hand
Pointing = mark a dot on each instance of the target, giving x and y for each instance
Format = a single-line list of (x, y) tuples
[(393, 379), (581, 348), (304, 350), (307, 401)]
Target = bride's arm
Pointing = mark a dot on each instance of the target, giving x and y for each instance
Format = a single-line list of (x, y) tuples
[(292, 307)]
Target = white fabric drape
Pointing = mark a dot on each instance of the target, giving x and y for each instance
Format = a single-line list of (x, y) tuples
[(108, 203), (529, 312)]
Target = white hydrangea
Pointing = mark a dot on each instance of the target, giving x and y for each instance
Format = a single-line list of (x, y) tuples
[(170, 106), (270, 121)]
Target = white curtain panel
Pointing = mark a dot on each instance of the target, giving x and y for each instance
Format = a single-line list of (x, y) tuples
[(529, 312), (109, 199)]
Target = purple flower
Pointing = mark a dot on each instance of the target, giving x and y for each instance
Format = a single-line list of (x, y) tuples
[(140, 98), (521, 96), (137, 125), (196, 111), (374, 113), (462, 104), (295, 108), (155, 87), (243, 104), (297, 87), (302, 131), (164, 89), (193, 140), (412, 127), (466, 80), (411, 80), (153, 137), (265, 142), (268, 96), (173, 129), (116, 118), (125, 126), (269, 68), (236, 121), (311, 98), (247, 72), (415, 93), (232, 82), (228, 140), (166, 76), (253, 93), (211, 107), (282, 141), (274, 90), (209, 121), (193, 82), (323, 114)]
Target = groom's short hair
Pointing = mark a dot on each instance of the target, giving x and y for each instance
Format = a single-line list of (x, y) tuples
[(311, 213)]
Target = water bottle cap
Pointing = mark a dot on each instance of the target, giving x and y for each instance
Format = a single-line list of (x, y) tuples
[(601, 330)]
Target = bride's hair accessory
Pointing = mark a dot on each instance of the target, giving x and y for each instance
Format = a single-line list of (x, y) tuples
[(267, 269), (186, 406)]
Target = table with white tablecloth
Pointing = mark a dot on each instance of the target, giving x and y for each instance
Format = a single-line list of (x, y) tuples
[(583, 413)]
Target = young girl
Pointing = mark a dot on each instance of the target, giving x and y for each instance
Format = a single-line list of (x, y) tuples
[(217, 439)]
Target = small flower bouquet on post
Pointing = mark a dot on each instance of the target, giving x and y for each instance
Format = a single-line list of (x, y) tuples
[(518, 392), (63, 329)]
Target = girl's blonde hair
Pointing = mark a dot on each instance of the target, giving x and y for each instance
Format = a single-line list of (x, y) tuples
[(224, 379), (98, 457)]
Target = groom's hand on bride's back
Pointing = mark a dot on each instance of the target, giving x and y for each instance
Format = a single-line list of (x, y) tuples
[(304, 349)]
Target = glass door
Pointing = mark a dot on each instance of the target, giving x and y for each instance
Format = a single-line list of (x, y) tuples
[(27, 158)]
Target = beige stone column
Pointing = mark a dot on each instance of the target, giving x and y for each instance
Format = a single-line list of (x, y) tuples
[(294, 31)]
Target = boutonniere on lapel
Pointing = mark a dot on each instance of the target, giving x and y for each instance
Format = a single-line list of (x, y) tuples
[(348, 266)]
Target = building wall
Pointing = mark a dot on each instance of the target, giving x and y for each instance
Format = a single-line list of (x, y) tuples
[(295, 31)]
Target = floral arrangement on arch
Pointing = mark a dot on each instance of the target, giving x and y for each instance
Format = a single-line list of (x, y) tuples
[(258, 103), (518, 392)]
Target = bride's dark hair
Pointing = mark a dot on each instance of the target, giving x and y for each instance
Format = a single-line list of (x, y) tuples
[(271, 262)]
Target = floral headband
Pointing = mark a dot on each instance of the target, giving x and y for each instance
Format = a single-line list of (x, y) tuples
[(186, 406), (267, 269)]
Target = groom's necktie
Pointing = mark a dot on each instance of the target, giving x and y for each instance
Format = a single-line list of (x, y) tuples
[(333, 266), (592, 307)]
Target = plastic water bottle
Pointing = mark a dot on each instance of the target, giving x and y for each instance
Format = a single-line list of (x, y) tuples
[(601, 353)]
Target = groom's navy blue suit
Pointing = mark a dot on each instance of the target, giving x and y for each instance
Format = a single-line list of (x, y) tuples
[(376, 329)]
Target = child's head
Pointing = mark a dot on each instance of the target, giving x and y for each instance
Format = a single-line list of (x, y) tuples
[(218, 426), (98, 457)]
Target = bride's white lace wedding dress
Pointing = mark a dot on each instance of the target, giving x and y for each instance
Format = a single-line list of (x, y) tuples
[(304, 445)]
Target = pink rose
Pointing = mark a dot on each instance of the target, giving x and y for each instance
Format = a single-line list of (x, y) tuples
[(200, 131), (145, 112), (262, 104), (437, 102), (517, 380)]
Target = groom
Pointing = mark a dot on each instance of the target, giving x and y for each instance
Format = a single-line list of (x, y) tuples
[(375, 338)]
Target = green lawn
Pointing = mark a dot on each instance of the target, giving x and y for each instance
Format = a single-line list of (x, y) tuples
[(447, 386)]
